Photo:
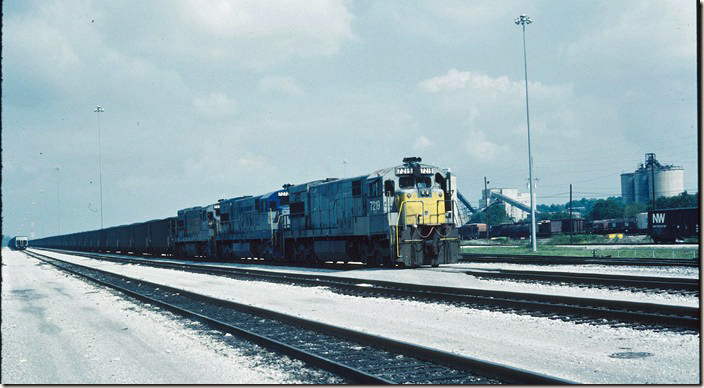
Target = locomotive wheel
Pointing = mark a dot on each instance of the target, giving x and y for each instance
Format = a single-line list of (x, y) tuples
[(300, 252), (267, 251)]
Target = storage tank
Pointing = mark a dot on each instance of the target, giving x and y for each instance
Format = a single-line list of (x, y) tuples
[(641, 186), (669, 181), (627, 189)]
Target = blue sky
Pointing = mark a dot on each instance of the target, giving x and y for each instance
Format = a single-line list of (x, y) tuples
[(216, 99)]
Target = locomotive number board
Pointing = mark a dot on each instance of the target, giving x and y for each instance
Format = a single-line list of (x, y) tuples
[(409, 170)]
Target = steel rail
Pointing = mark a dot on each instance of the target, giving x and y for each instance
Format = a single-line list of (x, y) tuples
[(541, 259), (623, 311), (649, 282), (506, 374)]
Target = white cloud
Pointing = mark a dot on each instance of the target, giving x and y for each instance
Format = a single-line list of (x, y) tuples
[(638, 36), (439, 21), (465, 80), (489, 112), (494, 87), (283, 85), (252, 161), (421, 143), (479, 148), (215, 104), (258, 33)]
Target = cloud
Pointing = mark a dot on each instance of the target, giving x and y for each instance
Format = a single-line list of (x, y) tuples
[(245, 33), (493, 87), (439, 21), (455, 80), (488, 112), (283, 85), (421, 143), (215, 104), (641, 36), (479, 148)]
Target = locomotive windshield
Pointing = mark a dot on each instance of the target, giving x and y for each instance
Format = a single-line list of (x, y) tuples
[(409, 182)]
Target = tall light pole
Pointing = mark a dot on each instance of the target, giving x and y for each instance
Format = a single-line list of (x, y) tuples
[(43, 210), (58, 196), (99, 110), (344, 168), (523, 20)]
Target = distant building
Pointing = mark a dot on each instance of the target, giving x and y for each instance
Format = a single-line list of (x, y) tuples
[(651, 178), (512, 211)]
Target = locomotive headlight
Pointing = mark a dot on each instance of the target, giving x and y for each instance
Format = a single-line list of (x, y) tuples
[(439, 194), (408, 195)]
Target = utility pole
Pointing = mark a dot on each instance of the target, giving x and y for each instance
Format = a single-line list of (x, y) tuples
[(58, 196), (571, 224), (486, 207)]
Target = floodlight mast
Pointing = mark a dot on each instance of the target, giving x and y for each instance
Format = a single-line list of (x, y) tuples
[(522, 21), (99, 110)]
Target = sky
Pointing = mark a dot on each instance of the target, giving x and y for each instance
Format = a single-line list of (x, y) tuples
[(215, 99)]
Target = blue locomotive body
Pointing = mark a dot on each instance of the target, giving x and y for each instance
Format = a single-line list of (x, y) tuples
[(395, 216)]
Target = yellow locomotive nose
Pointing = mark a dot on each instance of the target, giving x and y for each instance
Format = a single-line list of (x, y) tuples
[(426, 209)]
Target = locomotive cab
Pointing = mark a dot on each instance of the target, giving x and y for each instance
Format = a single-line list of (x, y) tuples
[(424, 232), (420, 199)]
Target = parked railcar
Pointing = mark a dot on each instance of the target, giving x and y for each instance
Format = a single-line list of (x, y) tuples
[(472, 231), (18, 243), (671, 225)]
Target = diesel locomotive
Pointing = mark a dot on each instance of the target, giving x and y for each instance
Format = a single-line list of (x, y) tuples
[(399, 216)]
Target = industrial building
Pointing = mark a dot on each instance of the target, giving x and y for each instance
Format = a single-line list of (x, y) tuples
[(651, 179), (509, 195)]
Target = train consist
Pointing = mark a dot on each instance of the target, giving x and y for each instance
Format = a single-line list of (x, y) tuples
[(18, 243), (663, 225), (403, 215)]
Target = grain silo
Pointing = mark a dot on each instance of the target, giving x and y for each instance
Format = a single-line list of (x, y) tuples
[(627, 188), (638, 186)]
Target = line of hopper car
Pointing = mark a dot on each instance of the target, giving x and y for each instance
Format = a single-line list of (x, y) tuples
[(662, 225), (18, 243), (401, 215)]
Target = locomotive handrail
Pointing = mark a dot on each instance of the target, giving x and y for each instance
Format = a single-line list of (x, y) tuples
[(402, 208)]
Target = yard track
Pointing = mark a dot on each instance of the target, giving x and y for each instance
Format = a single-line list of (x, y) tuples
[(687, 286), (582, 310), (360, 357), (541, 259)]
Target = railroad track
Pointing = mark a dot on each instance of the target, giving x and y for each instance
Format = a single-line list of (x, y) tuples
[(642, 316), (359, 357), (685, 286), (530, 259)]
